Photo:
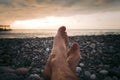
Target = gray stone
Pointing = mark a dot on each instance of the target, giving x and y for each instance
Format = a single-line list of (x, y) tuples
[(42, 70), (93, 76), (108, 78), (41, 78), (78, 69), (34, 77), (115, 78), (115, 71), (103, 72), (87, 73), (93, 45), (106, 66), (35, 70), (81, 57), (27, 45), (22, 71), (9, 76), (6, 69), (37, 51), (36, 57), (47, 49), (81, 64)]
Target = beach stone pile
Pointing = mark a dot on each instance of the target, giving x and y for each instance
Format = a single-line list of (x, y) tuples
[(24, 59)]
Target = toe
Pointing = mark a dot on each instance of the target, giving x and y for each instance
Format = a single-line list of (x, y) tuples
[(62, 28), (75, 48)]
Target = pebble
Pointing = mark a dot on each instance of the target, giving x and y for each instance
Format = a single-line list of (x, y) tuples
[(78, 69), (8, 76), (42, 70), (36, 57), (35, 70), (92, 45), (115, 71), (27, 45), (115, 78), (87, 73), (93, 76), (6, 69), (41, 78), (47, 49), (37, 51), (108, 78), (106, 66), (103, 72), (81, 64), (34, 77), (22, 71)]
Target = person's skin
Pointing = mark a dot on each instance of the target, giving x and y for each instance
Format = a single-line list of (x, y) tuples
[(62, 61)]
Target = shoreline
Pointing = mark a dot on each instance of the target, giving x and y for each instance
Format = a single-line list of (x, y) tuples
[(100, 56), (51, 33), (94, 35)]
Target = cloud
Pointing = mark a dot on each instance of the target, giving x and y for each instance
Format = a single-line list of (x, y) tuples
[(11, 10), (6, 3)]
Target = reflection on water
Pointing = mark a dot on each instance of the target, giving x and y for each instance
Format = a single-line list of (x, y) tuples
[(32, 33)]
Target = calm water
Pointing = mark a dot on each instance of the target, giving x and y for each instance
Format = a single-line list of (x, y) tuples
[(33, 33)]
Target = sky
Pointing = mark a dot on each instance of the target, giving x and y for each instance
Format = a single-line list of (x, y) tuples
[(51, 14)]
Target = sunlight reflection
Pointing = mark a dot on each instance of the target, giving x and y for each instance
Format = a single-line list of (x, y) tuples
[(41, 23)]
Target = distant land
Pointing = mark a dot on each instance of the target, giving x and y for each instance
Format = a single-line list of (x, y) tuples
[(5, 28)]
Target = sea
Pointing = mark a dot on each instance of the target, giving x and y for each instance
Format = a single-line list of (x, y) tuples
[(40, 33)]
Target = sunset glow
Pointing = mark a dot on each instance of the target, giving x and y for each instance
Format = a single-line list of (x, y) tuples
[(45, 23), (108, 20)]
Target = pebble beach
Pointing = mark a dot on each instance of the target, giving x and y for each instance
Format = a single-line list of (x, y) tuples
[(25, 58)]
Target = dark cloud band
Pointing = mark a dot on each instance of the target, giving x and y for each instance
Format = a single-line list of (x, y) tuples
[(26, 9)]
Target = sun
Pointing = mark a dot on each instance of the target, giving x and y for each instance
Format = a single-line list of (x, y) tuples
[(42, 23)]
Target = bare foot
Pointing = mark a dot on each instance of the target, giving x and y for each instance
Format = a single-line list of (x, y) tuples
[(60, 47), (60, 44)]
